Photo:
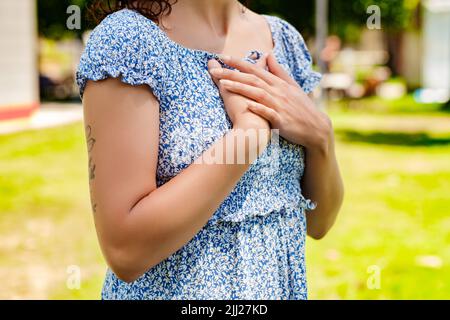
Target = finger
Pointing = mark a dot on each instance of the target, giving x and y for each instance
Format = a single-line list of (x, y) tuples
[(253, 93), (212, 65), (265, 112), (278, 70), (248, 67), (242, 77)]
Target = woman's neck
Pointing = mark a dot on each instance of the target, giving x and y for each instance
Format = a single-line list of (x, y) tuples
[(216, 15)]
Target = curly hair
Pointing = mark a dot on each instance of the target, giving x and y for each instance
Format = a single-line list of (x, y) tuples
[(152, 9)]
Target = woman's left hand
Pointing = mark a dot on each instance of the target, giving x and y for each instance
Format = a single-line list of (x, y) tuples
[(279, 99)]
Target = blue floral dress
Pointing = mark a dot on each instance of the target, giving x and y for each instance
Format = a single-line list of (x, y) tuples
[(253, 246)]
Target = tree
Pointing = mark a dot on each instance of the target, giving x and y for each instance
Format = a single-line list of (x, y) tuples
[(52, 18), (346, 17)]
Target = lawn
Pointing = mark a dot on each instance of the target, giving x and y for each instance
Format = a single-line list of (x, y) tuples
[(395, 217), (394, 226)]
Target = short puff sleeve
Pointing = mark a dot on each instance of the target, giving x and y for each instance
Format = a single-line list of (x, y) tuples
[(299, 58), (123, 46)]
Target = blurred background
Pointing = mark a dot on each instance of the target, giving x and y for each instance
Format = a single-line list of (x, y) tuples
[(386, 85)]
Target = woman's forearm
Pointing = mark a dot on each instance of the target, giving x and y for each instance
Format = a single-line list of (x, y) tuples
[(168, 217), (323, 184)]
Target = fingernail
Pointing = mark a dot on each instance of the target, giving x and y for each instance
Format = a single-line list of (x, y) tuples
[(216, 71), (213, 63), (226, 83)]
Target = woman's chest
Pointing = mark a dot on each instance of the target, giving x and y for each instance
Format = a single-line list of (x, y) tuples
[(193, 117)]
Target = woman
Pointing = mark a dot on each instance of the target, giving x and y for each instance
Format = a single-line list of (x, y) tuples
[(173, 227)]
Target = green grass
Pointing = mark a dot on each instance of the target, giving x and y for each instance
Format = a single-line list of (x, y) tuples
[(45, 222), (396, 212), (403, 105)]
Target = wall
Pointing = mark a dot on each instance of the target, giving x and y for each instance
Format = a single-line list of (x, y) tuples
[(19, 95)]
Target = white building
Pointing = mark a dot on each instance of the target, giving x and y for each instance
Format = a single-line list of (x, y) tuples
[(19, 88), (436, 45)]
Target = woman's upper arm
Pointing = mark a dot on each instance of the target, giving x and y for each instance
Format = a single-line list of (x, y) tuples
[(122, 130)]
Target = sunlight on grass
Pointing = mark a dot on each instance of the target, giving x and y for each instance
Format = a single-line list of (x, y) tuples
[(396, 213), (46, 224)]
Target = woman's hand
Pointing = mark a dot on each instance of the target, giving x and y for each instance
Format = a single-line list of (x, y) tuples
[(278, 98), (275, 96), (236, 105)]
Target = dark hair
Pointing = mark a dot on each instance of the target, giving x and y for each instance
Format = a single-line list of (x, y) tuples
[(152, 9)]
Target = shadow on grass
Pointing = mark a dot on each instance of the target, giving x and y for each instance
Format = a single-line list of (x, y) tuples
[(392, 138)]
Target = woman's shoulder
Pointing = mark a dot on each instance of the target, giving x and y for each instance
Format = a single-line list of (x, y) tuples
[(125, 44), (295, 52), (283, 29), (288, 37), (120, 18), (125, 27)]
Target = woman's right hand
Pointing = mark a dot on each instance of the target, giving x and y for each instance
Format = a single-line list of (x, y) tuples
[(236, 105)]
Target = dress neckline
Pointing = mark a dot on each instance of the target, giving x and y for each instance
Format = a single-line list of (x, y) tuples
[(203, 53)]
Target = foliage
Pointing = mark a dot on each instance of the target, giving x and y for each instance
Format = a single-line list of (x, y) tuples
[(344, 16), (52, 18)]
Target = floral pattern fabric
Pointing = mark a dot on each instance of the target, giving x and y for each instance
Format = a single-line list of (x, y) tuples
[(253, 245)]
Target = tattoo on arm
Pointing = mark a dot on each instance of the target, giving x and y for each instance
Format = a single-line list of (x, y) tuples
[(90, 145)]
